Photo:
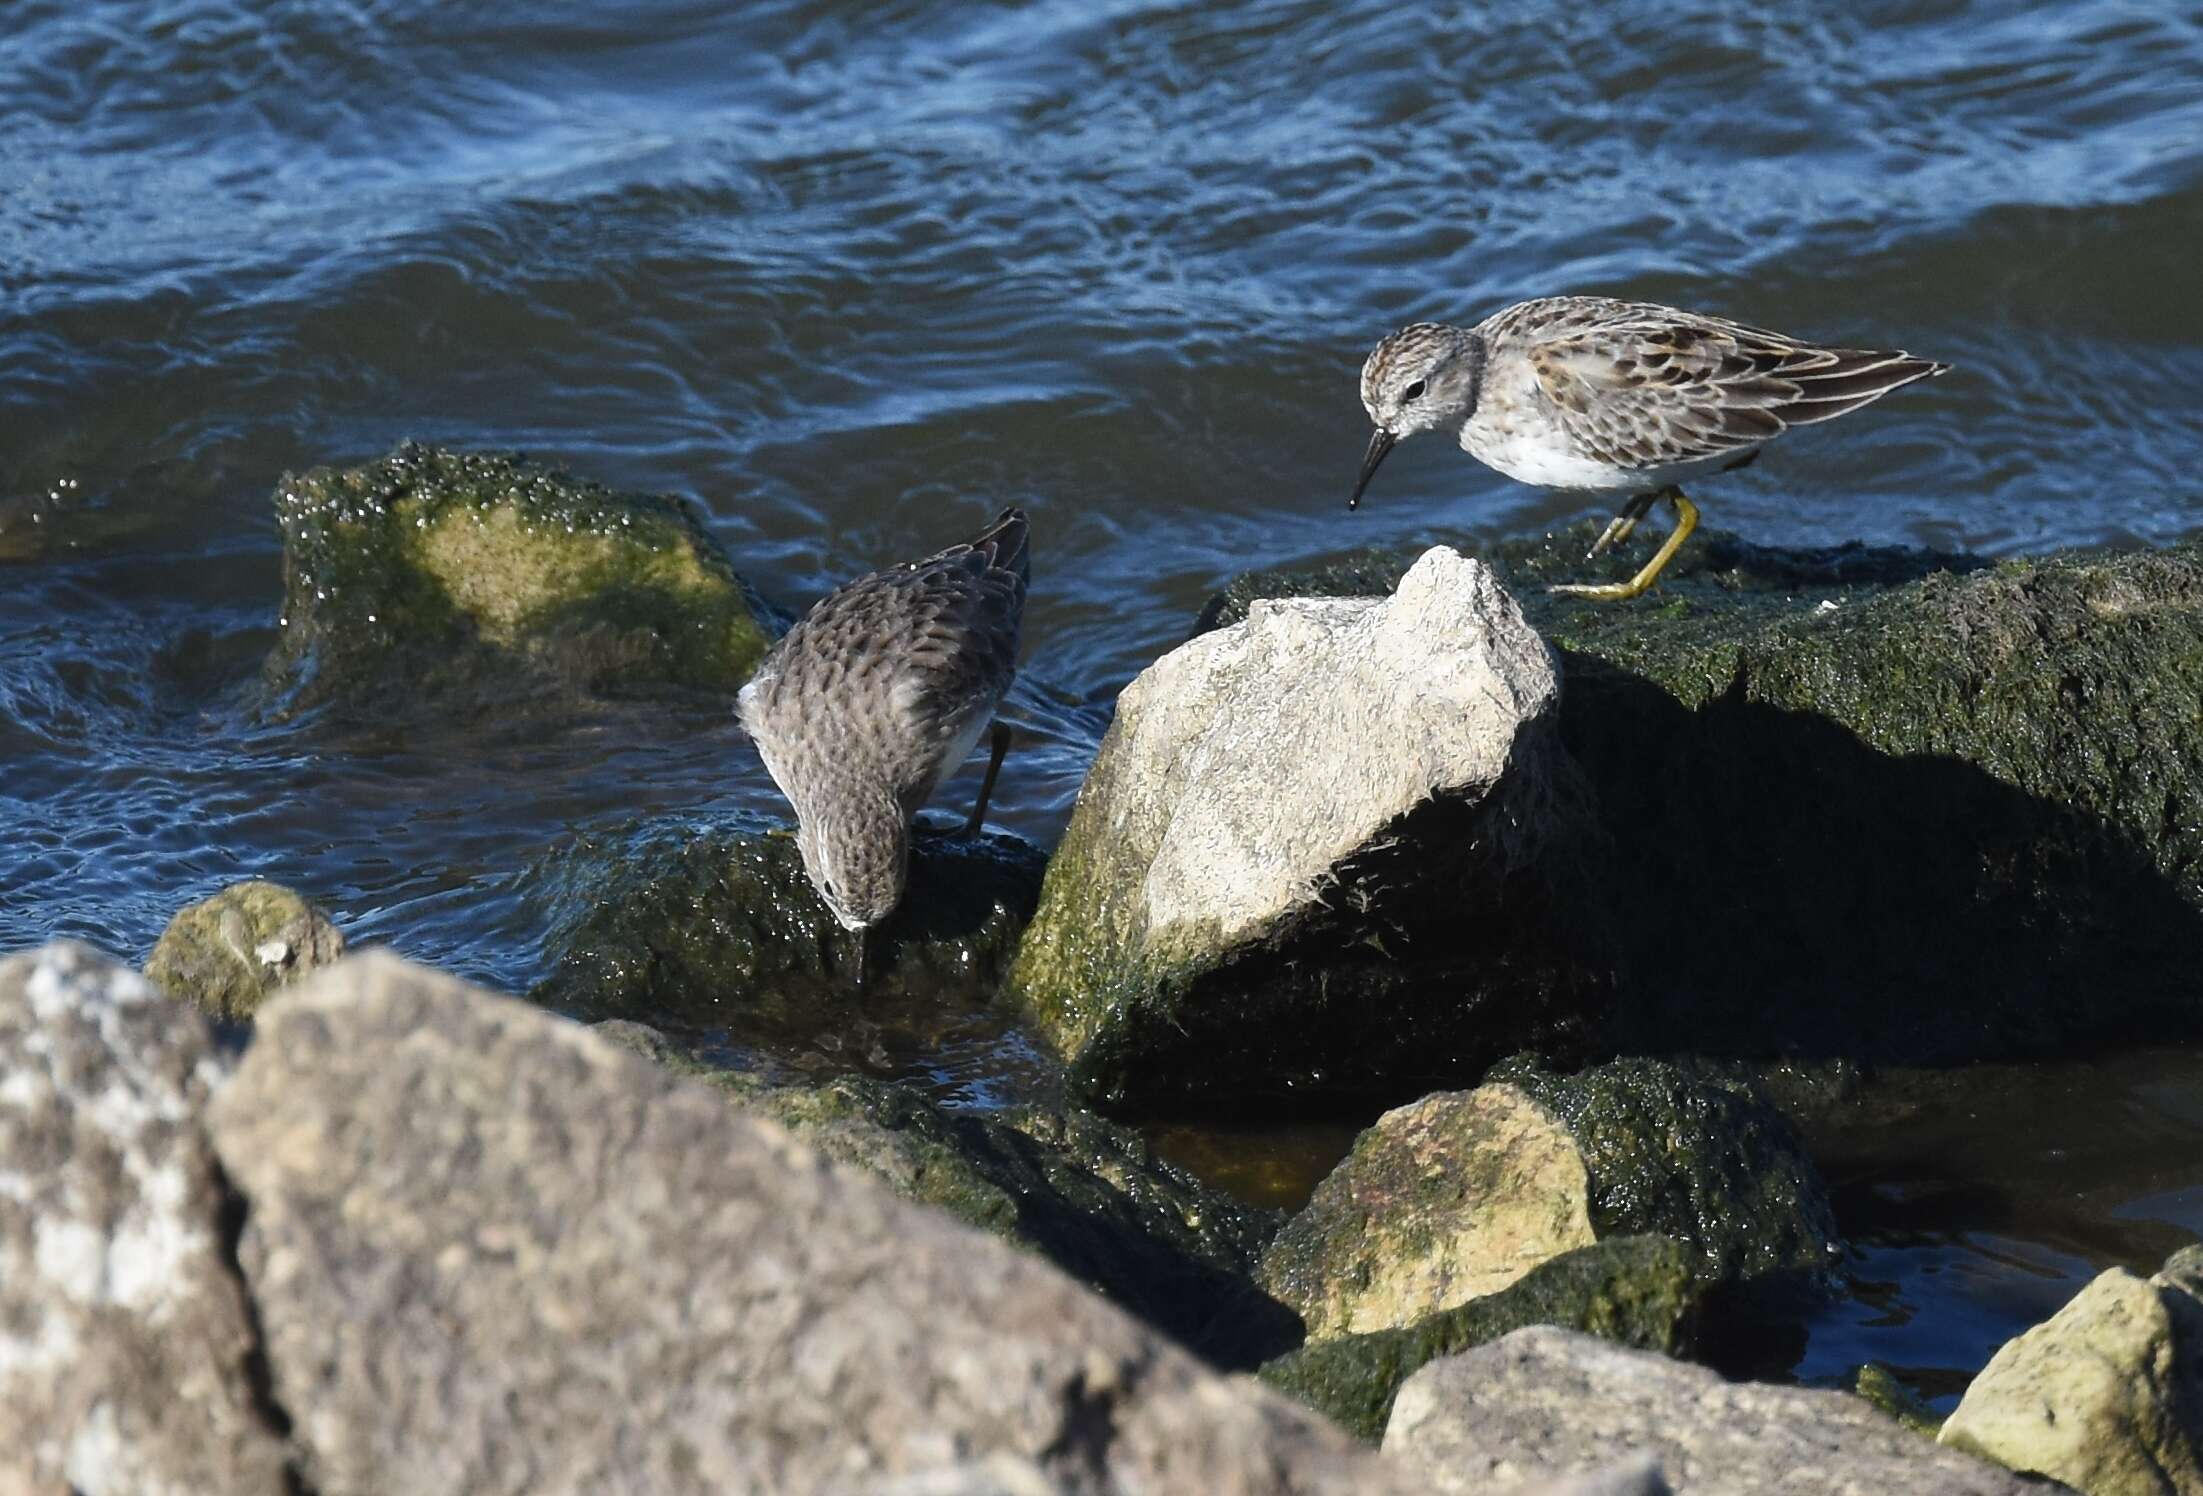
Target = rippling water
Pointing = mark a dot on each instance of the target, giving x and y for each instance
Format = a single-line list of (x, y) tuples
[(855, 276)]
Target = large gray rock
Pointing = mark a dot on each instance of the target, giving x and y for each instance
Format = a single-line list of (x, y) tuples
[(1544, 1403), (1460, 1194), (126, 1343), (494, 1253), (1337, 807), (2106, 1394)]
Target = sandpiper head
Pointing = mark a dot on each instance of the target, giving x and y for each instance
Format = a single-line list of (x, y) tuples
[(1426, 375), (856, 850)]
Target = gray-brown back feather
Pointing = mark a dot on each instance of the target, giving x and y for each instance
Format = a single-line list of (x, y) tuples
[(1639, 385)]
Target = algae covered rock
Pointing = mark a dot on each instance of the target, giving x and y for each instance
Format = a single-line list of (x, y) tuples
[(1546, 1403), (1090, 1196), (431, 577), (1335, 809), (1636, 1291), (2106, 1394), (1460, 1194), (690, 925), (229, 952), (1903, 807)]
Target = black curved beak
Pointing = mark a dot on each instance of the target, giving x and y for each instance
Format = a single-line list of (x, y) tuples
[(1380, 442)]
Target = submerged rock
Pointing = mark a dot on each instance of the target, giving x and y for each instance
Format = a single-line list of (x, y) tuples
[(719, 926), (1460, 1194), (126, 1338), (1338, 809), (1545, 1402), (1903, 807), (434, 578), (2106, 1394), (1634, 1290), (1088, 1195), (493, 1253), (228, 953)]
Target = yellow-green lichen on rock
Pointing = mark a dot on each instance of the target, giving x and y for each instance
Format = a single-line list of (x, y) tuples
[(230, 952), (432, 576)]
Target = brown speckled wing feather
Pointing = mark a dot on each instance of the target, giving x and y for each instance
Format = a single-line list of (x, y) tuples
[(1644, 386)]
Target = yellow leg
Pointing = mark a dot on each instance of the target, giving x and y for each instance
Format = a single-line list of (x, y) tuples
[(1617, 530), (1686, 520)]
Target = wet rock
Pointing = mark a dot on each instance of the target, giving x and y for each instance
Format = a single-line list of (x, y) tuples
[(1545, 1402), (1895, 806), (1634, 1290), (1460, 1194), (432, 580), (229, 952), (126, 1342), (494, 1253), (1088, 1195), (1339, 808), (722, 926), (2106, 1394), (1878, 1385)]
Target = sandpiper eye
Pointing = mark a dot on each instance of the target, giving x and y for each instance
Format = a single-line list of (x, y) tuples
[(1413, 391)]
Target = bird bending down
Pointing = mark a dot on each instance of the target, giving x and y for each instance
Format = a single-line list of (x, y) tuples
[(876, 695), (1584, 392)]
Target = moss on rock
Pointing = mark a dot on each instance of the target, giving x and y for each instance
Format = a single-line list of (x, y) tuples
[(1636, 1291), (230, 952), (1896, 806), (1088, 1195), (711, 924), (432, 576)]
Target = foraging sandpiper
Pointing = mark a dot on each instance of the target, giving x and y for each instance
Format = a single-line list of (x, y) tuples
[(878, 694), (1584, 392)]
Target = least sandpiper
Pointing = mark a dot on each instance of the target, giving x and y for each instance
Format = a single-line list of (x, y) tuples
[(876, 695), (1583, 392)]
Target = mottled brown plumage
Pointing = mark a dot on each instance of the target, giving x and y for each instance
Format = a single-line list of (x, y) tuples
[(879, 693), (1585, 392)]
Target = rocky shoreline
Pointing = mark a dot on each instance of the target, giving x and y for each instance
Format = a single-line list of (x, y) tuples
[(1596, 905)]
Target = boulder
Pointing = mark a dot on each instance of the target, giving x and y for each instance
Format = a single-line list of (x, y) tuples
[(1545, 1403), (1334, 809), (1891, 805), (678, 925), (436, 581), (128, 1356), (1090, 1196), (1636, 1290), (229, 952), (494, 1253), (2107, 1394), (1460, 1194)]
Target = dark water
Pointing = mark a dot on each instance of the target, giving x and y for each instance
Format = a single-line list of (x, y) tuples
[(855, 276)]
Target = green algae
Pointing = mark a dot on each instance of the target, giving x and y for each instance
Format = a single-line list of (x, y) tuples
[(704, 924), (433, 577), (1711, 1166), (1637, 1291), (1879, 805), (231, 952), (1879, 1385), (1091, 1197)]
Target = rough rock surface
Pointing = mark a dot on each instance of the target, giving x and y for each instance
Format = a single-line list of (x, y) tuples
[(1461, 1193), (495, 1253), (432, 580), (126, 1343), (1635, 1290), (1090, 1196), (722, 927), (1444, 1200), (1546, 1402), (229, 952), (1336, 807), (1834, 781), (2106, 1394)]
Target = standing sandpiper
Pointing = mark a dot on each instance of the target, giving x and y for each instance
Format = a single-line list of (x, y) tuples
[(1583, 392), (878, 694)]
